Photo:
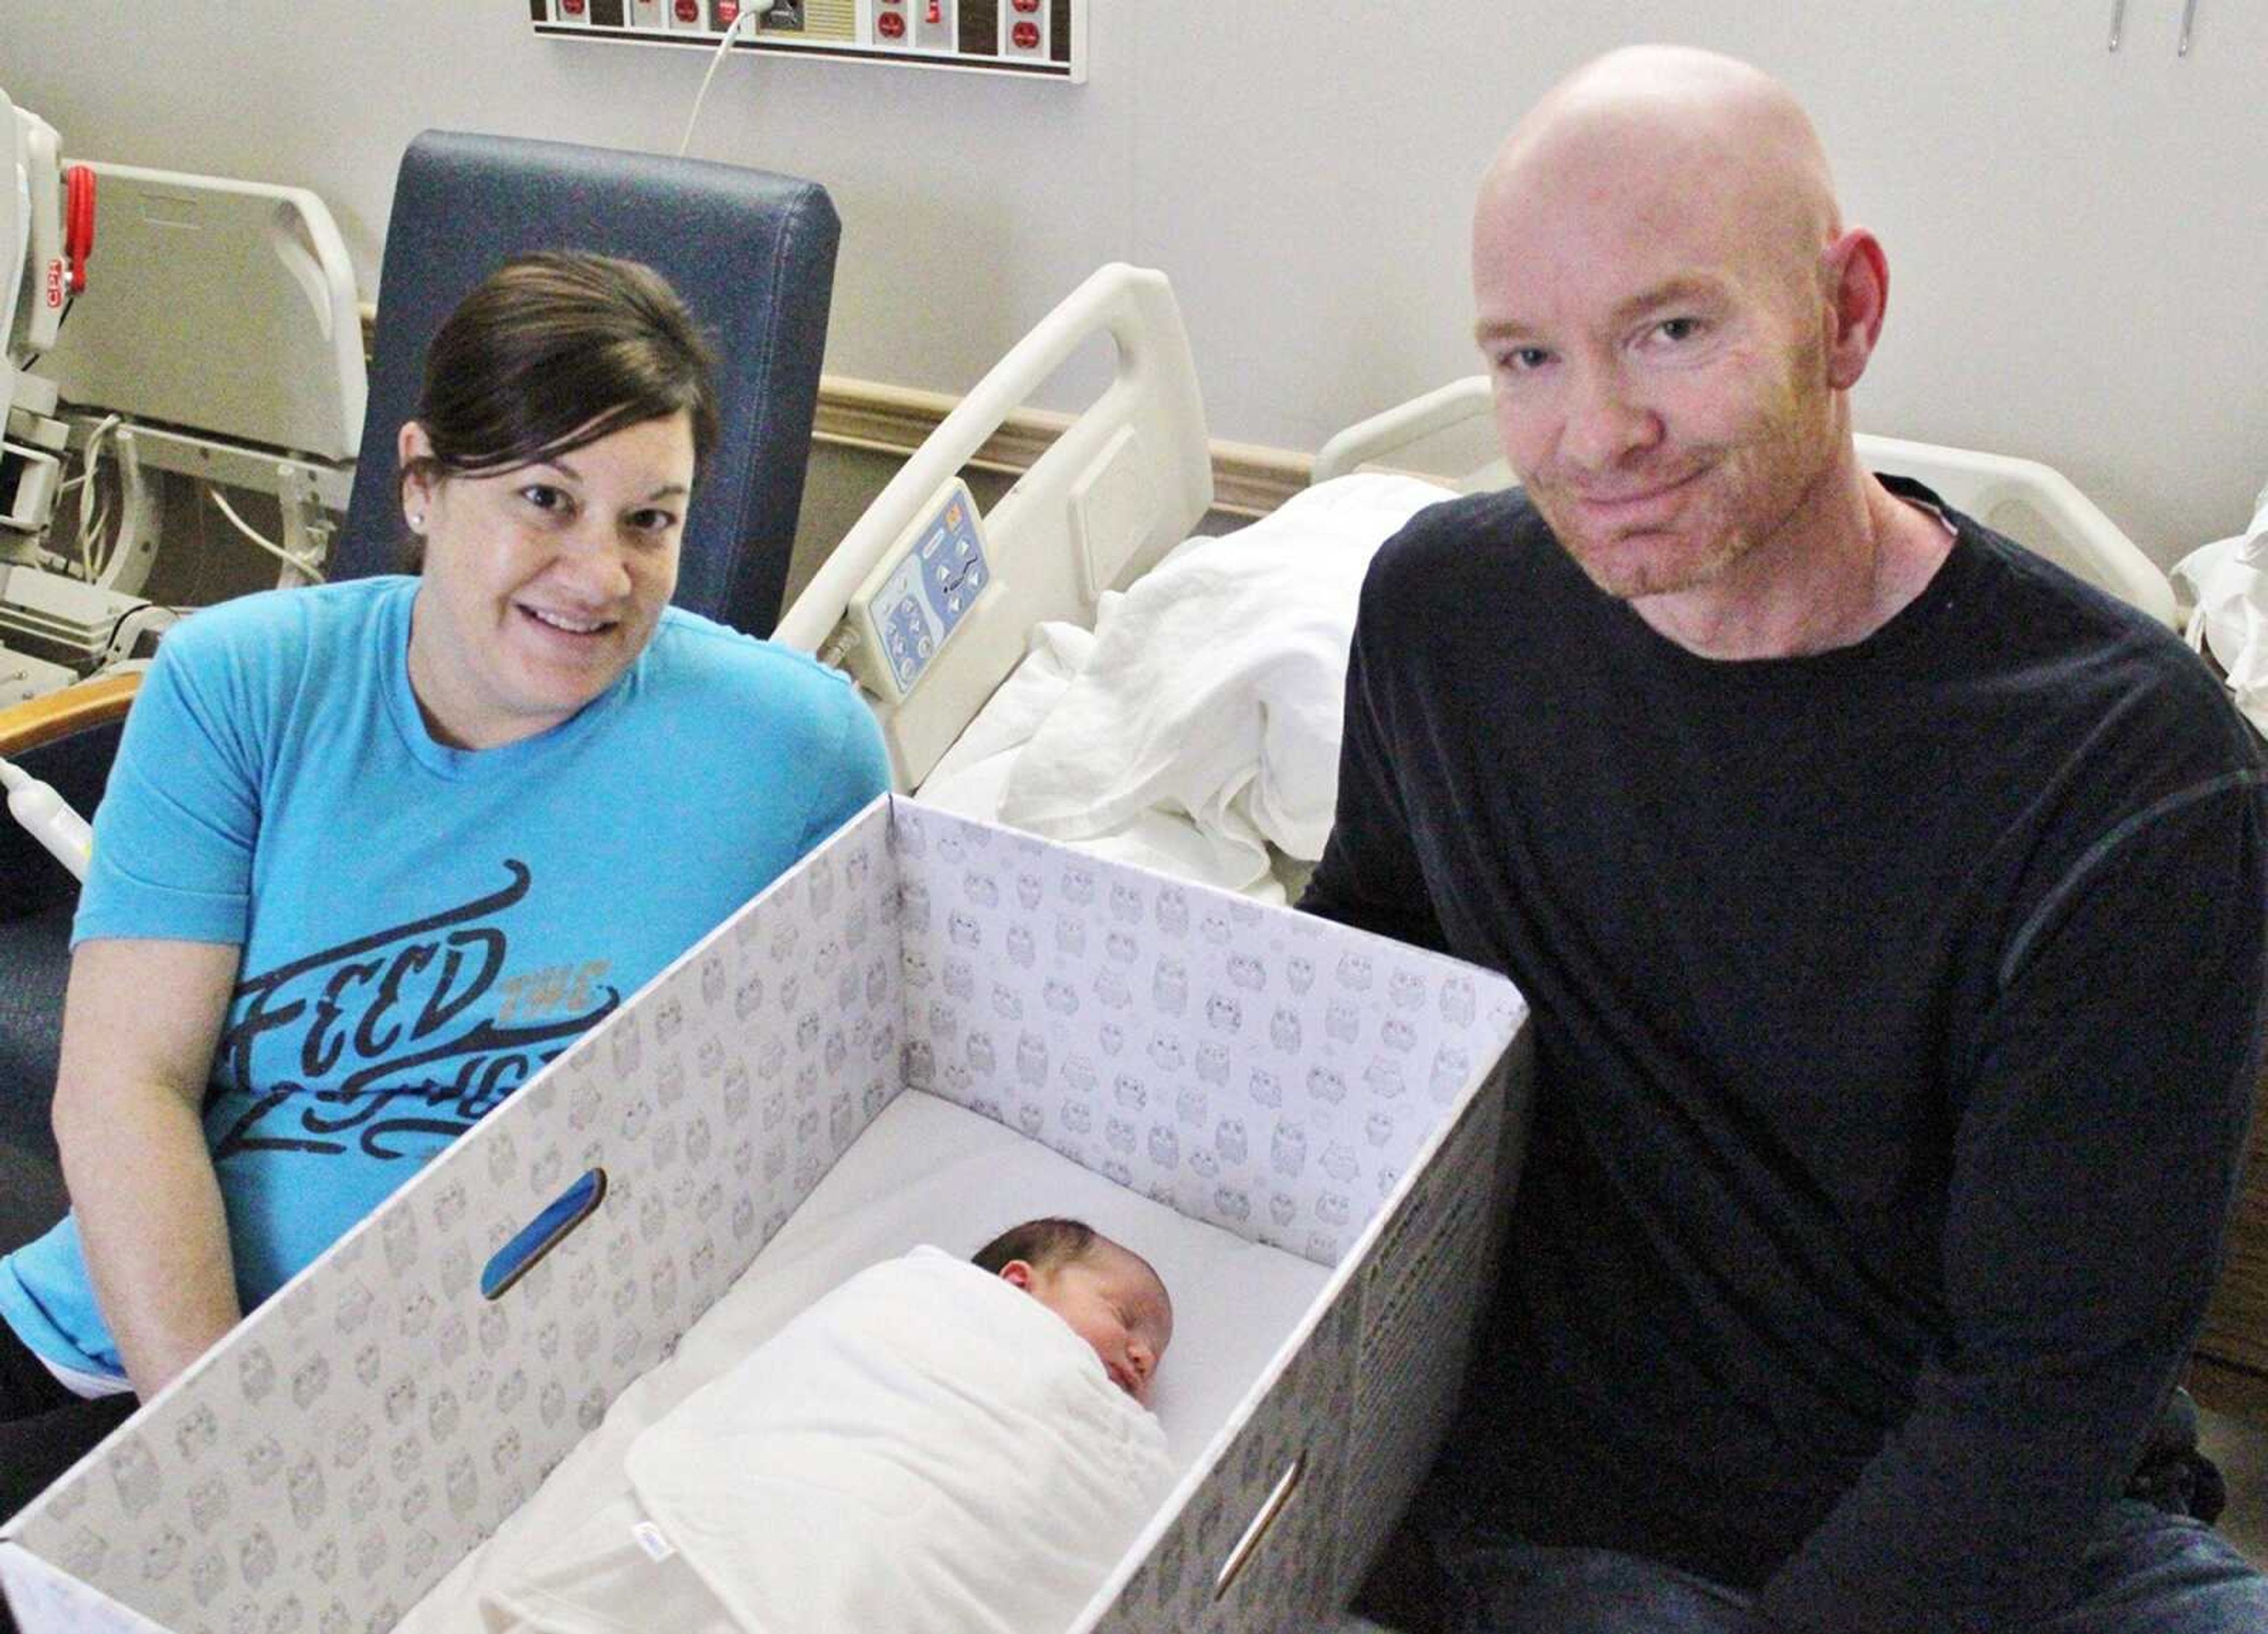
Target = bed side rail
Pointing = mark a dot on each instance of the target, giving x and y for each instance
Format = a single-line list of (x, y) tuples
[(2039, 508), (1128, 479), (1387, 437)]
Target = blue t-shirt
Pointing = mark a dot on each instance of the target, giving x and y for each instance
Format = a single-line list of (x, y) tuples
[(423, 928)]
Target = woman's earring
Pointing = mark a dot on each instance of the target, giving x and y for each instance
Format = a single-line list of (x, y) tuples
[(417, 522)]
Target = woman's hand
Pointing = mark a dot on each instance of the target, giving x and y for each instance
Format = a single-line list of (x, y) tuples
[(141, 1022)]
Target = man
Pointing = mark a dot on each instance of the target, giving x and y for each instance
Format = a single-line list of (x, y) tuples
[(1891, 907)]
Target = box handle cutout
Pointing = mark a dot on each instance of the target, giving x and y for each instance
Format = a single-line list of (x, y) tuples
[(1248, 1545), (546, 1232)]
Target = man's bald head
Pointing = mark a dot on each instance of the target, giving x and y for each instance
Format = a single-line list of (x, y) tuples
[(1672, 313), (1675, 116)]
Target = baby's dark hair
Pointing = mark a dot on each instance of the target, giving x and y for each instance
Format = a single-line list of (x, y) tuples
[(1041, 1244)]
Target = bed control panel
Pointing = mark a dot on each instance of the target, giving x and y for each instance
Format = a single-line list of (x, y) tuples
[(924, 590)]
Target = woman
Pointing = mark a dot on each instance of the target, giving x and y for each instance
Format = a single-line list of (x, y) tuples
[(373, 853)]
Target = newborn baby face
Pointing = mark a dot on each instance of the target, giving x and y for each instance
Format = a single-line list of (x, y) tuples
[(1115, 1302)]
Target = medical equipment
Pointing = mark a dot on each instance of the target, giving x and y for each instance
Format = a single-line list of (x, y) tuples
[(48, 818), (922, 592), (42, 265), (216, 350), (38, 277)]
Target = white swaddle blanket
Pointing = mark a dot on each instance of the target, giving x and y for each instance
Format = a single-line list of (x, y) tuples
[(927, 1448)]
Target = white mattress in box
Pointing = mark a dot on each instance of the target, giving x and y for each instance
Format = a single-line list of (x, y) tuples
[(925, 1171)]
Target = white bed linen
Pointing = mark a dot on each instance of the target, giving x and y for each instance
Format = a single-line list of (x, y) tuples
[(1195, 731), (927, 1450), (974, 774), (925, 1171)]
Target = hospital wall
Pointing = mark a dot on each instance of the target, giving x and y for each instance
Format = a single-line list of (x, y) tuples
[(2078, 240)]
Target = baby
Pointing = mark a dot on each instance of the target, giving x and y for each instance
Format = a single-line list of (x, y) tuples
[(1107, 1294), (921, 1450)]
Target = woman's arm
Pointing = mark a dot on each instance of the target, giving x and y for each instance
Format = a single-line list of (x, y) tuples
[(141, 1022)]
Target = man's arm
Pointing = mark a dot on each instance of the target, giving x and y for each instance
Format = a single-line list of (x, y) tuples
[(1370, 876), (2093, 1167), (141, 1022)]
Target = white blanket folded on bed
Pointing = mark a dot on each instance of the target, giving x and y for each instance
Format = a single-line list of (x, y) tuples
[(925, 1449), (1214, 688)]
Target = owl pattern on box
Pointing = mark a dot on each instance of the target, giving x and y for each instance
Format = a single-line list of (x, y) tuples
[(1247, 1066)]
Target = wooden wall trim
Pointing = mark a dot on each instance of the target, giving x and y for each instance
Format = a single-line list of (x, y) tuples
[(2238, 1392)]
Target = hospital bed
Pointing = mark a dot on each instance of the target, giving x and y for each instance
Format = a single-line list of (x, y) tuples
[(1075, 548)]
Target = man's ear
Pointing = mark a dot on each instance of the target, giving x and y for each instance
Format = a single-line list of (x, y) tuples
[(1856, 276), (1017, 1274)]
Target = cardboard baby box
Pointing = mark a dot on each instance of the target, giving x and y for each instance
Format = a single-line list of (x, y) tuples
[(1335, 1096)]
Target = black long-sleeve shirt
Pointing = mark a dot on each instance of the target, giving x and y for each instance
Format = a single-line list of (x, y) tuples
[(1897, 1024)]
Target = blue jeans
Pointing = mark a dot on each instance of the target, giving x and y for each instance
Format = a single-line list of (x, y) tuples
[(2145, 1573)]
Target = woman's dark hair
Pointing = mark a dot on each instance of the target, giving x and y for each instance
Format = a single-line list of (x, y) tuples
[(1043, 1245), (553, 351)]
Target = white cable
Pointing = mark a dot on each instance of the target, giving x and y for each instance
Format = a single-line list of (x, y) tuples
[(838, 651), (269, 546), (748, 14), (93, 455), (49, 818)]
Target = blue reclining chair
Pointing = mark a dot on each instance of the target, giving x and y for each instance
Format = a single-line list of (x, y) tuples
[(754, 256)]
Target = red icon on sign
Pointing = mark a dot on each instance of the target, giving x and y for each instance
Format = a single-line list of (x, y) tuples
[(728, 12), (935, 15), (890, 26), (1026, 36), (1027, 5), (687, 11), (572, 8)]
